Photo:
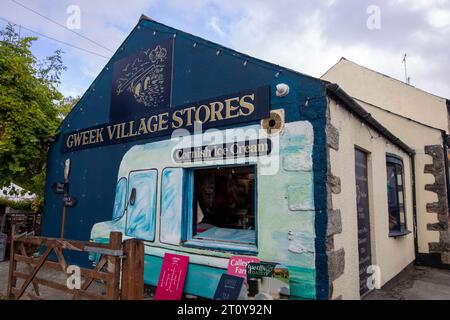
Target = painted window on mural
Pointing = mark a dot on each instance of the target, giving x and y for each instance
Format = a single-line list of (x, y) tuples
[(396, 194), (121, 199), (171, 205), (142, 205), (223, 206)]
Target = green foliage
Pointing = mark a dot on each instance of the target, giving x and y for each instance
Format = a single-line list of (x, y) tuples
[(31, 109), (25, 205), (66, 105), (37, 205)]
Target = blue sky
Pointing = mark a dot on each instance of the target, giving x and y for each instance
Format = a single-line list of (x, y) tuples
[(306, 35)]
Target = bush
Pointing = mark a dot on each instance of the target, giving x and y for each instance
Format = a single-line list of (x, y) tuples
[(25, 205)]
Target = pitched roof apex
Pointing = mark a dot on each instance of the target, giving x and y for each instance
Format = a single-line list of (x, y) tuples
[(145, 17)]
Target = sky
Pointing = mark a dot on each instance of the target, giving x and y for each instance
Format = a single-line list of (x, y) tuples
[(309, 36)]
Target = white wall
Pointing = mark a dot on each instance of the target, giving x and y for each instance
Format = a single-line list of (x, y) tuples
[(417, 137), (392, 255), (413, 115), (389, 94)]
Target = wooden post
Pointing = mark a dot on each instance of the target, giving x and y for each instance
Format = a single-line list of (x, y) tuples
[(112, 287), (12, 281), (63, 222), (66, 183), (133, 270)]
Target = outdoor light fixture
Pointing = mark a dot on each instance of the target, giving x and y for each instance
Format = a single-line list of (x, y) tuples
[(66, 170), (282, 90)]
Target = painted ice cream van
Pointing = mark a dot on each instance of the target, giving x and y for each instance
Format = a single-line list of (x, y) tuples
[(252, 182), (154, 198)]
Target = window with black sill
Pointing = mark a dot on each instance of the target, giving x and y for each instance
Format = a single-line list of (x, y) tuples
[(396, 196)]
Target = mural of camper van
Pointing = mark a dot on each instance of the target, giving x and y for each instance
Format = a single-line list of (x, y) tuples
[(248, 198)]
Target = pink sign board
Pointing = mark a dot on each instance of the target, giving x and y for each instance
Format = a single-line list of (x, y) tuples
[(237, 266), (172, 277)]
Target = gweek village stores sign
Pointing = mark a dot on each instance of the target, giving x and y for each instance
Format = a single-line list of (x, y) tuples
[(141, 104), (244, 107)]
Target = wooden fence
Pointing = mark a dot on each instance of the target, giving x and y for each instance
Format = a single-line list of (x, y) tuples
[(24, 221), (115, 258)]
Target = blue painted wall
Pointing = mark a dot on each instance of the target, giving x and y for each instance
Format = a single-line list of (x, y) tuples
[(201, 71)]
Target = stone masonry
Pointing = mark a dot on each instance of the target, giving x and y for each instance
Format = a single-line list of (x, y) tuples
[(336, 258), (440, 208)]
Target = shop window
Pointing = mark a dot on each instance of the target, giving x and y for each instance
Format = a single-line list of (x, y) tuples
[(142, 205), (396, 196), (223, 208)]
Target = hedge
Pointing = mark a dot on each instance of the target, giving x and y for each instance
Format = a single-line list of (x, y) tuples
[(25, 205)]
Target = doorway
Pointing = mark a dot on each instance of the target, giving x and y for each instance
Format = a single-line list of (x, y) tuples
[(363, 218)]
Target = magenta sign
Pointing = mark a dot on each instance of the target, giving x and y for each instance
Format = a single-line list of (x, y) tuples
[(172, 277)]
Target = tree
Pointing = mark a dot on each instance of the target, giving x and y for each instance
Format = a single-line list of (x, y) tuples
[(31, 110), (66, 105)]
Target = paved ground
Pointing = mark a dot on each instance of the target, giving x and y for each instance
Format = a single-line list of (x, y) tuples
[(416, 283), (45, 292)]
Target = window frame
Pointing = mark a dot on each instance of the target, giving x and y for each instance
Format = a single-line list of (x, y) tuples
[(126, 199), (156, 203), (184, 191), (188, 239), (402, 230)]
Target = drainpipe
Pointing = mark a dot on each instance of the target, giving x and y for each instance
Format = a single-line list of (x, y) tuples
[(445, 137), (416, 241), (446, 140)]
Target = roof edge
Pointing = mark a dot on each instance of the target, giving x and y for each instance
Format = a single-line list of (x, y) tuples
[(352, 106), (332, 67), (241, 55), (86, 93), (389, 77), (145, 18)]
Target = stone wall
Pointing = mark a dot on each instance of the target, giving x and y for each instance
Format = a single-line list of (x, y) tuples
[(336, 258), (440, 208)]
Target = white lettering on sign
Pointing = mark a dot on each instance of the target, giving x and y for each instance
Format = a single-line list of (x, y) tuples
[(252, 148)]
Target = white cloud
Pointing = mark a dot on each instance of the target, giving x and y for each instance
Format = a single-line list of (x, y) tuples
[(300, 41), (308, 36), (214, 24), (421, 4), (439, 18)]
